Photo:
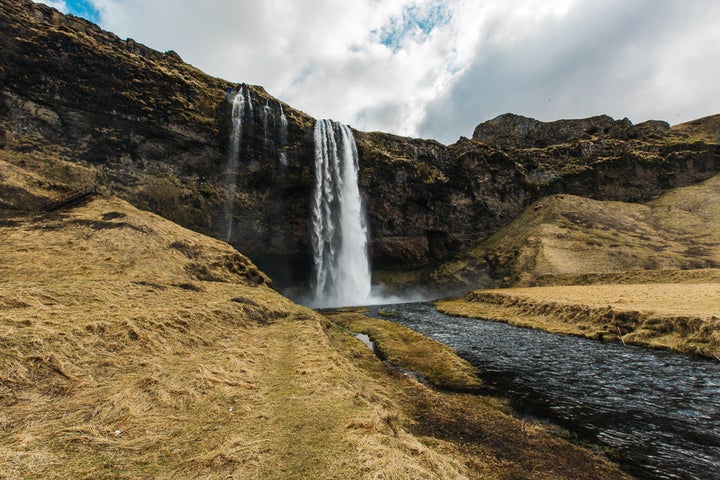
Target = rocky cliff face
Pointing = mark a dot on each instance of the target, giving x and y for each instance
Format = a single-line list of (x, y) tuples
[(444, 199), (79, 104), (426, 200), (152, 128), (515, 131)]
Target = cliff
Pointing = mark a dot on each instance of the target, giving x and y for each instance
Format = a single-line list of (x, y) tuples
[(79, 105), (149, 127)]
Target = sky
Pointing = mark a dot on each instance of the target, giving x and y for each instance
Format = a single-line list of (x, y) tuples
[(435, 69)]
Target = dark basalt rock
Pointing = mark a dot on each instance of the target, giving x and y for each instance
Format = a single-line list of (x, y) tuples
[(515, 131)]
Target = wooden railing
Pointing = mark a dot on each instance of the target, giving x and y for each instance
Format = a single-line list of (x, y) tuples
[(70, 198)]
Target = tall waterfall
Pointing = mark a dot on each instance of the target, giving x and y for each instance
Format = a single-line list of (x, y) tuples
[(339, 236)]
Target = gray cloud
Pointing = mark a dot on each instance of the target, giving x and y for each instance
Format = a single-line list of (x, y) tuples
[(640, 59)]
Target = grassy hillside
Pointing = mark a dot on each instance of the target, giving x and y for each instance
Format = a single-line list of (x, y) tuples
[(133, 348), (706, 129), (566, 235)]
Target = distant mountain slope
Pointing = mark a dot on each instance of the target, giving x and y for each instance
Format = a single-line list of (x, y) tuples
[(706, 129), (571, 235)]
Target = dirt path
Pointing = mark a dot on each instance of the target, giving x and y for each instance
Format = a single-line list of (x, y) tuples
[(307, 404)]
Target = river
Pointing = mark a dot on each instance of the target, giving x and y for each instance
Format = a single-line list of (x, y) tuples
[(656, 412)]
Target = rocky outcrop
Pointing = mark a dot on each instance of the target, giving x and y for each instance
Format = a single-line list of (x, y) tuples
[(79, 105), (515, 131)]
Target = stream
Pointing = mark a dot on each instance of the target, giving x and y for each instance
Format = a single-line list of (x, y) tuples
[(657, 413)]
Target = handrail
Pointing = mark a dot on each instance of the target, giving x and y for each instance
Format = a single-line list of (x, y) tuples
[(71, 197)]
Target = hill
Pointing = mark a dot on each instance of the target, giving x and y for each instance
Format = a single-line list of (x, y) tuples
[(131, 347), (638, 273), (566, 236)]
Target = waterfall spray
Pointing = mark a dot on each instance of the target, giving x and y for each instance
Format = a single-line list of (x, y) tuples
[(339, 236)]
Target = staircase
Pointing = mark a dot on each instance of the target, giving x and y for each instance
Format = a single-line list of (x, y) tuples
[(70, 198)]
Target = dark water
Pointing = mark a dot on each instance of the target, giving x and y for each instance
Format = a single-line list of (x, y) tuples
[(657, 412)]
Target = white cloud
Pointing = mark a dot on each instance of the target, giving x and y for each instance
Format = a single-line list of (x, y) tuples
[(644, 59), (329, 58), (437, 68)]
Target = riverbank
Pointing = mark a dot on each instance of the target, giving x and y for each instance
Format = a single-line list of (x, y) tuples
[(133, 348), (483, 432), (681, 316)]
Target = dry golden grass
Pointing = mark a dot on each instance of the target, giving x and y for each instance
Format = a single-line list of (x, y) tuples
[(574, 236), (132, 348), (677, 316), (406, 349), (481, 431), (39, 174)]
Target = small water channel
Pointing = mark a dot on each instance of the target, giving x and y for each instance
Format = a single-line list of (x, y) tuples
[(657, 412)]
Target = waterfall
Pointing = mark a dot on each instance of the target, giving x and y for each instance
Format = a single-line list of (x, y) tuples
[(266, 114), (233, 163), (283, 127), (339, 232), (283, 136)]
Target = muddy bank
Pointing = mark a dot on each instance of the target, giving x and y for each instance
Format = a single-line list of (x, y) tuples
[(678, 317)]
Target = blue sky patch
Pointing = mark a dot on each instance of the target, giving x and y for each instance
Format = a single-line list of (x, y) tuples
[(415, 23), (84, 9)]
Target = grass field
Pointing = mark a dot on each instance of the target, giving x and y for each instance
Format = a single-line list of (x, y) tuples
[(681, 316), (131, 348)]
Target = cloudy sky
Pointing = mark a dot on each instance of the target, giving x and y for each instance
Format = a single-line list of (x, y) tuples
[(435, 69)]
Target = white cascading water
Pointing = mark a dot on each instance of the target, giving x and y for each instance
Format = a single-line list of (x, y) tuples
[(283, 136), (283, 127), (266, 115), (233, 163), (339, 236)]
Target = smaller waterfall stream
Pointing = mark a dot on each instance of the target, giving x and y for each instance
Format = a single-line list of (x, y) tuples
[(283, 136), (283, 127), (266, 113), (233, 162)]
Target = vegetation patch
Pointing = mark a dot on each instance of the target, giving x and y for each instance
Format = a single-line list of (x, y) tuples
[(406, 349)]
